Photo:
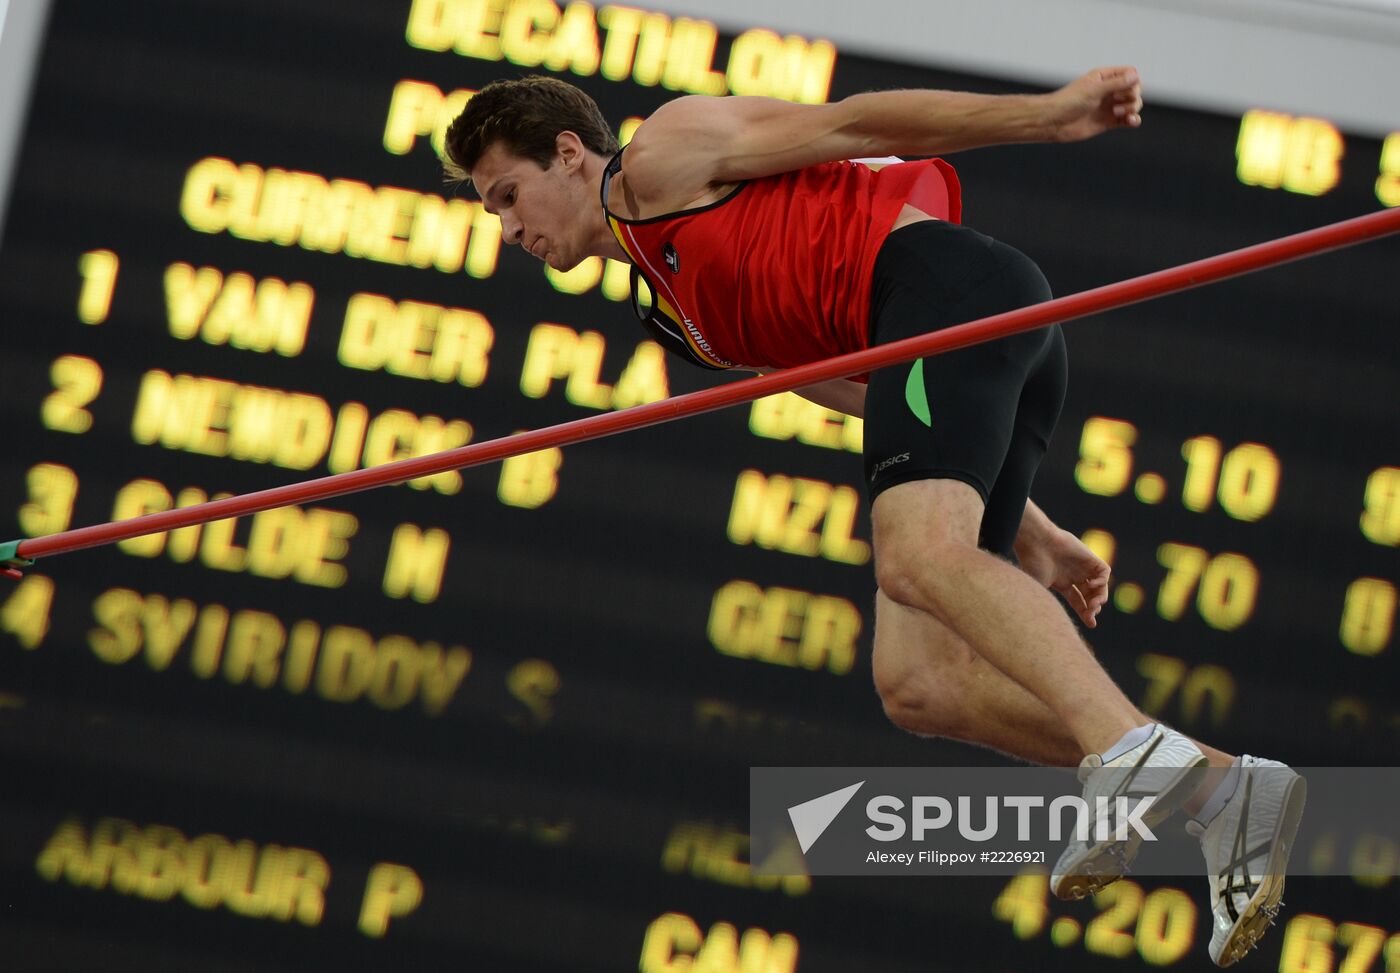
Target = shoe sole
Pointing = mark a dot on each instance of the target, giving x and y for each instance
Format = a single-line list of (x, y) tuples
[(1258, 914), (1099, 868)]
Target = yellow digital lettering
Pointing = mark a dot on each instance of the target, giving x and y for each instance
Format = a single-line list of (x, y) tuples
[(722, 857), (113, 850), (443, 673), (810, 501), (305, 877), (549, 355), (417, 562), (217, 549), (244, 204), (583, 388), (652, 45), (331, 211), (1388, 182), (783, 611), (306, 426), (118, 611), (525, 31), (643, 379), (413, 111), (327, 541), (348, 442), (25, 614), (200, 425), (397, 671), (364, 337), (535, 683), (392, 892), (437, 435), (670, 944), (153, 404), (829, 635), (754, 63), (417, 332), (209, 641), (244, 876), (431, 24), (623, 25), (617, 282), (720, 951), (483, 242), (135, 499), (452, 106), (771, 954), (253, 424), (294, 192), (53, 489), (99, 272), (183, 542), (261, 316), (690, 58), (574, 44), (199, 887), (289, 542), (732, 613), (346, 664), (160, 863), (530, 480), (204, 200), (274, 542), (478, 29), (757, 501), (837, 540), (1315, 148), (301, 656), (189, 293), (390, 437), (462, 350), (166, 624), (438, 237), (254, 648), (65, 854), (77, 381)]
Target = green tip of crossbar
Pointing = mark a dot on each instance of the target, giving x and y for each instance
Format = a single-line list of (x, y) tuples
[(9, 556)]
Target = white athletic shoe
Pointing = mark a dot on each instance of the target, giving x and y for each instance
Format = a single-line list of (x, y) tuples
[(1246, 848), (1167, 767)]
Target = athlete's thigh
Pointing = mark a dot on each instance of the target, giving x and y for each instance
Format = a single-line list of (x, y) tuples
[(1037, 415), (950, 416)]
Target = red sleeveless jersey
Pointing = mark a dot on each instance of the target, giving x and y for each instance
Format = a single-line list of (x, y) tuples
[(777, 273)]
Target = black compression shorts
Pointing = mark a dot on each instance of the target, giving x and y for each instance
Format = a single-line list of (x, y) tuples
[(983, 415)]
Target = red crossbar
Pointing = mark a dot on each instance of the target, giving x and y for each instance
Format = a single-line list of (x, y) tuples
[(1108, 297)]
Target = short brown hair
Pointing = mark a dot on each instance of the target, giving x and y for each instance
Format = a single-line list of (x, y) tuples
[(527, 115)]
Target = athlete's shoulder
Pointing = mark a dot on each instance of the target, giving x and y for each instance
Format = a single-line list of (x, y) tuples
[(671, 164)]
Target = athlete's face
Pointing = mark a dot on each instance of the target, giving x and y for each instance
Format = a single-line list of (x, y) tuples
[(544, 210)]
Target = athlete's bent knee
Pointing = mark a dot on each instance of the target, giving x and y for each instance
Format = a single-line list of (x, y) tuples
[(917, 576), (919, 700)]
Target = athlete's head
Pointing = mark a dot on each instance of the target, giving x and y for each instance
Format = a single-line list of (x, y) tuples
[(525, 145)]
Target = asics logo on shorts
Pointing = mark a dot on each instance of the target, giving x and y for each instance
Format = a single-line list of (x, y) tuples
[(885, 464)]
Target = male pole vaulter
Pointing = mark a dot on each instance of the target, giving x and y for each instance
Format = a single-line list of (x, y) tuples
[(764, 248)]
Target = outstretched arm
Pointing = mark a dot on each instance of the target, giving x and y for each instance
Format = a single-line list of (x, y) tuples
[(700, 140)]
